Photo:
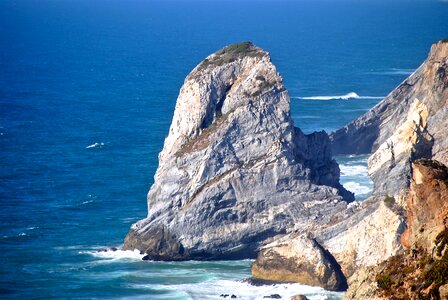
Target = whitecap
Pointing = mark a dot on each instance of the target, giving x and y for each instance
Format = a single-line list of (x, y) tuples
[(353, 170), (357, 188), (96, 145), (351, 95), (115, 254), (87, 202), (212, 289)]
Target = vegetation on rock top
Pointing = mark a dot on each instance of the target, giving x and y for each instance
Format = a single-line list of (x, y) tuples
[(231, 53)]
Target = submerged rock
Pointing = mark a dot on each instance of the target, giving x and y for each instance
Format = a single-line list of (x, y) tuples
[(234, 171), (410, 123)]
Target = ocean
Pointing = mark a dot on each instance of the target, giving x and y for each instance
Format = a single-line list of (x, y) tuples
[(87, 93)]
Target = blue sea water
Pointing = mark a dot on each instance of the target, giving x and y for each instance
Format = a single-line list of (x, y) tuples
[(87, 93)]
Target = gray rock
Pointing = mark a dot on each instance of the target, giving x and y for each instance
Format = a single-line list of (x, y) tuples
[(234, 171), (299, 258), (410, 123)]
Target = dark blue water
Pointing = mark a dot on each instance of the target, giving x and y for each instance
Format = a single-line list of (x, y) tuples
[(106, 74)]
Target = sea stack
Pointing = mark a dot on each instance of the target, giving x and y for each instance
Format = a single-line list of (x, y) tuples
[(234, 171)]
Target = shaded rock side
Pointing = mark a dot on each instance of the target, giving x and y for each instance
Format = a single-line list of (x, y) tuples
[(427, 204), (421, 271), (410, 123), (234, 171), (299, 259)]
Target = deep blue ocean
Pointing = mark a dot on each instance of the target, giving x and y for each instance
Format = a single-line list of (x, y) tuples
[(87, 93)]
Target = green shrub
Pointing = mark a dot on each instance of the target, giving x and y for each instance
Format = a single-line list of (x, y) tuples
[(384, 282), (389, 201)]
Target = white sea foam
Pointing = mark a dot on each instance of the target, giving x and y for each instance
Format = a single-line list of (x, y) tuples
[(357, 188), (351, 95), (353, 170), (96, 145), (393, 71), (115, 255), (213, 289)]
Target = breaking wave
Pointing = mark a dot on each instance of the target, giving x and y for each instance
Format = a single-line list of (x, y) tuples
[(351, 95), (115, 254)]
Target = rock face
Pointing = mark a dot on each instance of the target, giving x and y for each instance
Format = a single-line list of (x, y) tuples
[(427, 204), (234, 171), (421, 272), (407, 125), (369, 236), (299, 259), (410, 123)]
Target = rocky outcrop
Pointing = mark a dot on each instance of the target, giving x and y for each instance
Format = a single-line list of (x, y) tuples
[(420, 272), (369, 236), (299, 259), (427, 204), (410, 123), (234, 171), (407, 125)]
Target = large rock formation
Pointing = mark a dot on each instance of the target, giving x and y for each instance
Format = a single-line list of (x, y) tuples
[(410, 123), (234, 171)]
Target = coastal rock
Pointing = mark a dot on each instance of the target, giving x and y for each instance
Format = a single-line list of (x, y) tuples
[(299, 297), (410, 123), (427, 204), (234, 171), (299, 259), (371, 235), (420, 272)]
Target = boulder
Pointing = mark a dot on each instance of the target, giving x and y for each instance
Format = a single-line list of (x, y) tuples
[(299, 258)]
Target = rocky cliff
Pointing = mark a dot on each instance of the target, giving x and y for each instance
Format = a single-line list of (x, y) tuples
[(420, 272), (234, 171), (410, 123)]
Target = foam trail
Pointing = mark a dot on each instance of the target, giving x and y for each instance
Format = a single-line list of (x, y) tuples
[(215, 288), (394, 71), (351, 95)]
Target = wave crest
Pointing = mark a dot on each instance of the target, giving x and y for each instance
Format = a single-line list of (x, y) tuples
[(351, 95)]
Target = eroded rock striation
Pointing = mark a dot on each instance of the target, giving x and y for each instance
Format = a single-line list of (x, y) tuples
[(410, 123), (234, 171)]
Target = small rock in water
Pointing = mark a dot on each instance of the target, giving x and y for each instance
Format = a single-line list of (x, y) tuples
[(233, 296), (146, 257), (273, 296), (224, 295), (299, 297), (113, 249)]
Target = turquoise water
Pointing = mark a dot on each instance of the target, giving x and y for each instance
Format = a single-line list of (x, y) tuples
[(87, 93)]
